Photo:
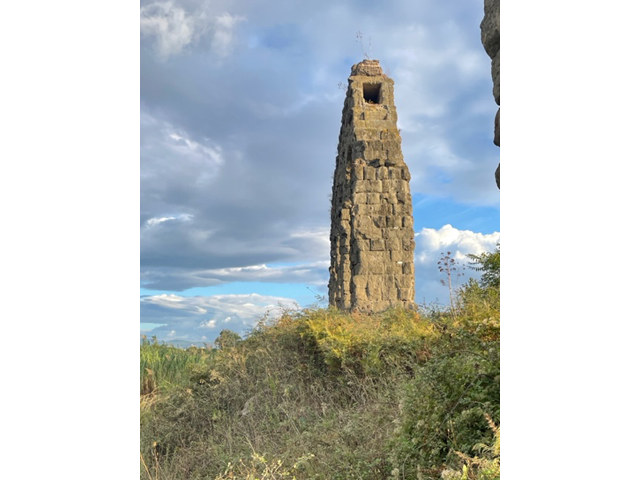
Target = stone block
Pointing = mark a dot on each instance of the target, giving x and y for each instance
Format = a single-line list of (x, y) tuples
[(376, 145), (408, 244), (398, 184), (377, 244), (362, 244), (369, 233), (360, 198), (393, 244), (395, 173), (402, 198), (401, 256), (401, 209), (378, 123), (375, 186), (404, 294), (385, 209), (359, 282), (408, 269), (370, 173), (394, 268), (393, 221), (376, 283), (373, 198), (389, 134), (377, 257), (400, 281), (373, 292), (363, 222), (379, 221), (369, 134), (375, 267)]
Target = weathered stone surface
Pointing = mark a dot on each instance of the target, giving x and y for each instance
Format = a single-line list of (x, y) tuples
[(372, 238), (496, 130), (490, 27), (490, 36), (495, 76)]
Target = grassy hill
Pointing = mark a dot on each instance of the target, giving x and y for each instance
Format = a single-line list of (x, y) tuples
[(321, 394)]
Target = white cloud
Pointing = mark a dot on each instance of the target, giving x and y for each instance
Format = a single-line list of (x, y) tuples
[(185, 146), (158, 220), (223, 34), (209, 323), (185, 317), (171, 26), (431, 244)]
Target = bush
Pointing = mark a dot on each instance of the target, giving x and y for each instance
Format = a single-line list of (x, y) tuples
[(446, 406), (324, 394)]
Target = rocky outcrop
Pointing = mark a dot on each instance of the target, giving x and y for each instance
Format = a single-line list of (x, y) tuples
[(372, 237), (490, 36)]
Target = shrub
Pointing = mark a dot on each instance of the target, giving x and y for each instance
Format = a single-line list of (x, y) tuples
[(325, 394), (445, 408)]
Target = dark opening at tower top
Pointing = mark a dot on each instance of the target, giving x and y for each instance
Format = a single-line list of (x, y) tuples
[(371, 92)]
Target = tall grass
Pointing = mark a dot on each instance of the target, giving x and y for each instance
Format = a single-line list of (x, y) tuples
[(164, 367)]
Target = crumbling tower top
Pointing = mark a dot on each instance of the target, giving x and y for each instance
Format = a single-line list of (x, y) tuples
[(368, 68)]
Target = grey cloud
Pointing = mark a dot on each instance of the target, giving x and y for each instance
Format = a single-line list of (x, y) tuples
[(173, 27), (180, 279), (200, 319), (264, 120)]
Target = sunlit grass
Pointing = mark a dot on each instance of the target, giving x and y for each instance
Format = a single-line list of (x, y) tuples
[(165, 366)]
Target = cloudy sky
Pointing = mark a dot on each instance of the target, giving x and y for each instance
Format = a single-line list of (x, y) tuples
[(240, 110)]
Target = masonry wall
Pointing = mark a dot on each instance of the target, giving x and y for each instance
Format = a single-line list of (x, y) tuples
[(372, 236)]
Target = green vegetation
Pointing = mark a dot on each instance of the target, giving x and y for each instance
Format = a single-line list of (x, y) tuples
[(321, 394)]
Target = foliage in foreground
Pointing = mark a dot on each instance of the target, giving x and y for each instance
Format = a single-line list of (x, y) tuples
[(321, 394)]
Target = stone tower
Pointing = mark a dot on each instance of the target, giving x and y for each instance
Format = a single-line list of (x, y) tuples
[(372, 238)]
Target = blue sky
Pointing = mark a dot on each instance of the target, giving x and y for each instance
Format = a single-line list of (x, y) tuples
[(240, 110)]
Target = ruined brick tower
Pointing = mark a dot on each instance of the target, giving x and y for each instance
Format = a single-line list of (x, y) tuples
[(372, 238)]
